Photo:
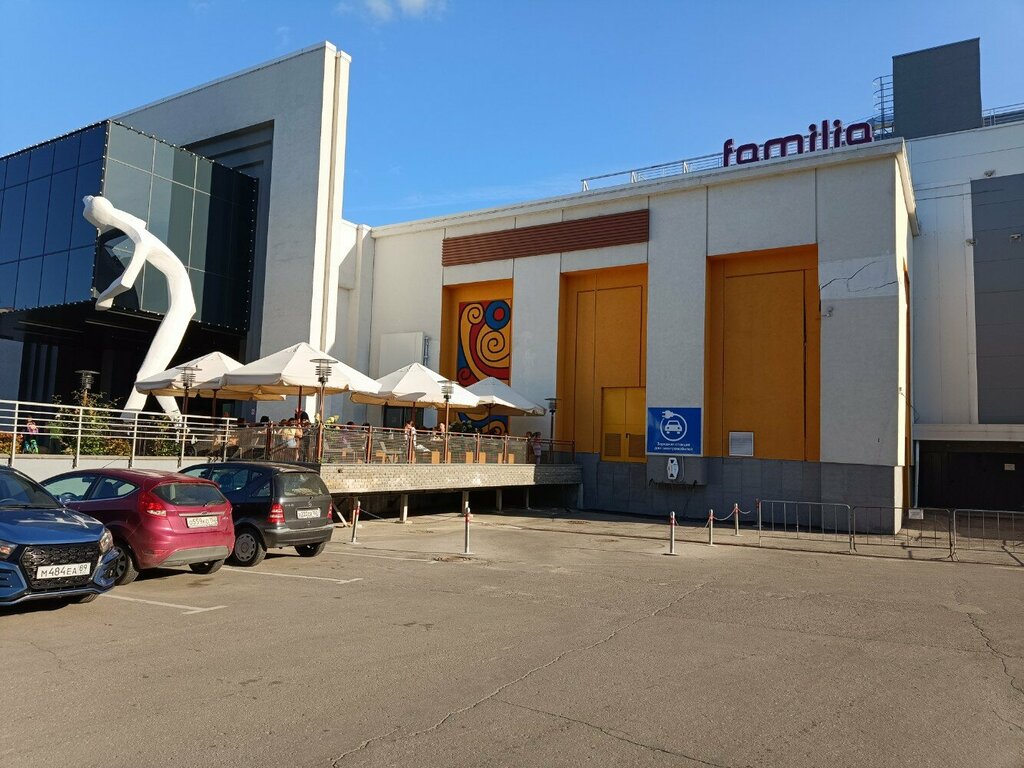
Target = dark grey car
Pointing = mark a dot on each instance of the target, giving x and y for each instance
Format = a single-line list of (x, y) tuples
[(274, 506)]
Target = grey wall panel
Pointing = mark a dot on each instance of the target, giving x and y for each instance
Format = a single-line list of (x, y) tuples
[(937, 90), (997, 212)]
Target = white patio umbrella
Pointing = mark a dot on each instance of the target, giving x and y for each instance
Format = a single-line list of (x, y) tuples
[(416, 386), (499, 399), (207, 374), (293, 370)]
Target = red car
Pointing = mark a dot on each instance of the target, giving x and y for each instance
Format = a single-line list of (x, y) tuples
[(158, 519)]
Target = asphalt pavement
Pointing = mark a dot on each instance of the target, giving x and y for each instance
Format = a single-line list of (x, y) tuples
[(546, 647)]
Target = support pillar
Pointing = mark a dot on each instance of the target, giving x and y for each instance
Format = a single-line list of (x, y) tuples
[(404, 502), (497, 500)]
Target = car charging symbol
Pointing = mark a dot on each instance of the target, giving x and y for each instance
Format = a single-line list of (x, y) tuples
[(673, 426)]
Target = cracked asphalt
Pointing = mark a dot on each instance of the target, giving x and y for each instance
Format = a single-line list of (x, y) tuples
[(546, 648)]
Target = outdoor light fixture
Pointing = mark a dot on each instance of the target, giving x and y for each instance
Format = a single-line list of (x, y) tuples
[(188, 379), (85, 379), (552, 407), (447, 389), (323, 374)]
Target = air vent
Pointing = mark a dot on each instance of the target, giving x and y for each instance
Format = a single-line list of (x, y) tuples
[(612, 444), (741, 443), (637, 446)]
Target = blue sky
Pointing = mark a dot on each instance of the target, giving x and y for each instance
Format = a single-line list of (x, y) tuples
[(461, 104)]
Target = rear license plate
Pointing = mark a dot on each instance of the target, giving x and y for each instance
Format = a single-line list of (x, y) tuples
[(62, 571), (207, 521), (306, 514)]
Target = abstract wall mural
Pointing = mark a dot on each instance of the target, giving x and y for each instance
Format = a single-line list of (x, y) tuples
[(485, 349)]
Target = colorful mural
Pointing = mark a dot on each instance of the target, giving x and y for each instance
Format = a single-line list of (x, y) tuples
[(485, 349)]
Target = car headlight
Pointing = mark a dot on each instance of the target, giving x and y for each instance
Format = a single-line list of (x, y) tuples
[(106, 542), (6, 549)]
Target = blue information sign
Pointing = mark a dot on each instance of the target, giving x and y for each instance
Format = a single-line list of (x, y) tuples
[(674, 431)]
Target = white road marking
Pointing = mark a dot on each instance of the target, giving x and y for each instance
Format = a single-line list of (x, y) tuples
[(381, 557), (186, 609), (234, 569)]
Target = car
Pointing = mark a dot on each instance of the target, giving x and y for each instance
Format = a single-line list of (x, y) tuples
[(48, 550), (275, 505), (158, 519)]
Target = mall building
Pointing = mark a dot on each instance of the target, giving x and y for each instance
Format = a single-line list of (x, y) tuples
[(830, 315)]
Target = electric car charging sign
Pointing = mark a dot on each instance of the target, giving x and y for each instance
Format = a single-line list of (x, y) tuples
[(674, 431)]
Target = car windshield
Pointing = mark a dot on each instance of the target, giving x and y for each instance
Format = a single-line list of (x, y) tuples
[(300, 484), (189, 494), (17, 492)]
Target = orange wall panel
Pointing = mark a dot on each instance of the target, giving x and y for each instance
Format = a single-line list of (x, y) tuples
[(455, 295)]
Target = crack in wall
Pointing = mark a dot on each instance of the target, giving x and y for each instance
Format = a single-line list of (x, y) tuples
[(848, 279), (618, 735), (607, 638)]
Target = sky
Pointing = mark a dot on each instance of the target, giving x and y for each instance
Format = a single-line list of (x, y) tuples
[(462, 104)]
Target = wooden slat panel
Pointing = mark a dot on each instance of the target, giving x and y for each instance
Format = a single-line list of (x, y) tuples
[(578, 235)]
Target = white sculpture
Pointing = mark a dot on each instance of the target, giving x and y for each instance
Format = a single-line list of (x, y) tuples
[(181, 306)]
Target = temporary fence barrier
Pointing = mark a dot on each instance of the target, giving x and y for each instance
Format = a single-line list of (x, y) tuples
[(818, 521)]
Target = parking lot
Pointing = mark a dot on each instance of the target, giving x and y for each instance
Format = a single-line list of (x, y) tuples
[(546, 647)]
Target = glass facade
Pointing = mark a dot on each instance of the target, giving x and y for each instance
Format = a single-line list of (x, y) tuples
[(50, 255)]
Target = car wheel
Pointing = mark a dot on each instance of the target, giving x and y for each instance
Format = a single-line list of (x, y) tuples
[(85, 598), (249, 549), (125, 569), (210, 566), (310, 550)]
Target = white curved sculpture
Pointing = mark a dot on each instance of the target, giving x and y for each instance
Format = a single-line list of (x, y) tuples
[(181, 306)]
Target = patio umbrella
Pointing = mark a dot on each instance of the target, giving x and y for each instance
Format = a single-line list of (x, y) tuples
[(416, 386), (499, 399), (292, 370), (208, 373)]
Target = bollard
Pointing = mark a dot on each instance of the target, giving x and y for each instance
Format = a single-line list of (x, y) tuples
[(671, 533), (711, 527), (468, 516), (736, 517), (355, 521)]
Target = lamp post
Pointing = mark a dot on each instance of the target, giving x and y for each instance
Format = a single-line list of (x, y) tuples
[(447, 388), (552, 407), (85, 380), (188, 378), (323, 373)]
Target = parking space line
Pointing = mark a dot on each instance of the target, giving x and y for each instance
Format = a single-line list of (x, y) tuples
[(233, 569), (381, 557), (186, 609)]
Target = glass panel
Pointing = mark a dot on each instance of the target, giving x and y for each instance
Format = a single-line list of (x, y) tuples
[(200, 226), (41, 163), (112, 488), (3, 172), (204, 175), (17, 169), (71, 488), (92, 144), (154, 290), (300, 484), (198, 280), (218, 237), (130, 147), (127, 188), (189, 494), (54, 278), (170, 216), (222, 182), (10, 223), (62, 204), (27, 294), (175, 164), (82, 232), (8, 282), (33, 228), (65, 153), (79, 277)]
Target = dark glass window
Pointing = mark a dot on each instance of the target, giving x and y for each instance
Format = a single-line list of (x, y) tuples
[(170, 216), (17, 169), (127, 188), (200, 230), (8, 282), (80, 268), (10, 223), (65, 153), (154, 290), (92, 144), (41, 163), (53, 279), (27, 293), (3, 172), (172, 163), (61, 209), (82, 231), (33, 228), (130, 147)]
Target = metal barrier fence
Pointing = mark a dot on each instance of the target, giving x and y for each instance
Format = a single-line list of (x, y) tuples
[(778, 518), (382, 445), (28, 429)]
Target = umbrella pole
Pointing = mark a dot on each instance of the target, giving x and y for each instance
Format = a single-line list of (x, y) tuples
[(213, 408), (298, 406)]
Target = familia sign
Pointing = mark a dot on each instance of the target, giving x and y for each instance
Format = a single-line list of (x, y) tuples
[(819, 137)]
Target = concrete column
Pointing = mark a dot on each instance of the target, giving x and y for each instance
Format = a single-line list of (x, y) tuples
[(497, 500), (405, 508)]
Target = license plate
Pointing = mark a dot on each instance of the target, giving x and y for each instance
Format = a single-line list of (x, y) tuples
[(208, 521), (62, 571), (306, 514)]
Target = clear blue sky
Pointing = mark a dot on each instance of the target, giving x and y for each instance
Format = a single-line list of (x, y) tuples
[(461, 104)]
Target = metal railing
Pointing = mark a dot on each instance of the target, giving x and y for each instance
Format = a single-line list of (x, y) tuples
[(38, 429), (777, 518)]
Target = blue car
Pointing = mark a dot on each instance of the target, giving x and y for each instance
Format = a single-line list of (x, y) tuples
[(47, 550)]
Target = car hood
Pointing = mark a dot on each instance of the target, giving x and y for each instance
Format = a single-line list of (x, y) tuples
[(48, 526)]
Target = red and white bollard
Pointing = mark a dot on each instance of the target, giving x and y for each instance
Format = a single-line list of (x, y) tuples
[(355, 521), (711, 527), (468, 517), (671, 533), (736, 517)]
